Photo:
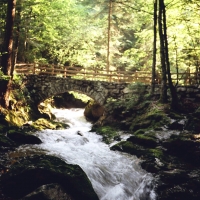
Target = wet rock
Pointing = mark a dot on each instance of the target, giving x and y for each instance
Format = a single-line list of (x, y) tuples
[(5, 141), (23, 138), (193, 124), (48, 192), (140, 125), (184, 148), (150, 166), (176, 126), (79, 133), (3, 122), (93, 111), (197, 113), (179, 184), (30, 173), (143, 139), (175, 176), (129, 147)]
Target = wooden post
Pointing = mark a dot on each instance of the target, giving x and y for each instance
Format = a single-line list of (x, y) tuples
[(53, 70), (84, 73), (65, 71), (34, 68), (118, 75)]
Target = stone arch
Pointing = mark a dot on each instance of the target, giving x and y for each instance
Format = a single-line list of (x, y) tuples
[(43, 87)]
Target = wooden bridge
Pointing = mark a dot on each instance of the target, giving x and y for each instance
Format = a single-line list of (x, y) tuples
[(104, 75)]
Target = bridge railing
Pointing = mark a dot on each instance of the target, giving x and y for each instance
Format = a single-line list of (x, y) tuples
[(104, 75)]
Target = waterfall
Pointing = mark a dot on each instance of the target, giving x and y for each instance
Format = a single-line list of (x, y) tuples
[(114, 175)]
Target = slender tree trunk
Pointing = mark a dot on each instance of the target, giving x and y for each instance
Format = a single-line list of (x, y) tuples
[(109, 26), (7, 49), (6, 61), (3, 26), (174, 100), (176, 54), (154, 49), (17, 33), (163, 95)]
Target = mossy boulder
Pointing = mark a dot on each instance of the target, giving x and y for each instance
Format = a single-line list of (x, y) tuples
[(17, 118), (184, 147), (179, 184), (109, 133), (43, 123), (129, 147), (30, 173), (144, 140), (149, 121)]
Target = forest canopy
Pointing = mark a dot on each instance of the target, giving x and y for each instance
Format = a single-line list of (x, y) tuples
[(93, 33)]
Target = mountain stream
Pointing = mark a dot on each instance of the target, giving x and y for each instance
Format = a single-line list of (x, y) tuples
[(114, 175)]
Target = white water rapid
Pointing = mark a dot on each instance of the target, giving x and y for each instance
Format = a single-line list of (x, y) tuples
[(114, 176)]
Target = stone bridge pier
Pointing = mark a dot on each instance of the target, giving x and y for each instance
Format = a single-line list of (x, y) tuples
[(43, 87)]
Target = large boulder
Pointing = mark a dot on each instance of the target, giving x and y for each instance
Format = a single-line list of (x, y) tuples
[(30, 173), (93, 111)]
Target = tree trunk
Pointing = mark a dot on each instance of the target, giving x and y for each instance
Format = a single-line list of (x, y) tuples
[(174, 100), (17, 32), (7, 53), (163, 95), (154, 49), (109, 25), (6, 60)]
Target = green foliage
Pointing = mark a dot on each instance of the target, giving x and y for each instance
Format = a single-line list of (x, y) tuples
[(17, 79), (83, 97), (2, 76), (108, 133), (75, 33)]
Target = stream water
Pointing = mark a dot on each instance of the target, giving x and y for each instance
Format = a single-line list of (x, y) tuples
[(114, 175)]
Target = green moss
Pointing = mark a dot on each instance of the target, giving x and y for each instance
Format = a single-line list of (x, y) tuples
[(129, 147), (17, 118), (42, 124), (144, 137), (174, 115), (144, 140), (158, 153), (42, 170), (108, 133), (2, 127), (149, 121), (140, 131)]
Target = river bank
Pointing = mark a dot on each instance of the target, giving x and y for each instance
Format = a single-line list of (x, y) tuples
[(166, 141)]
